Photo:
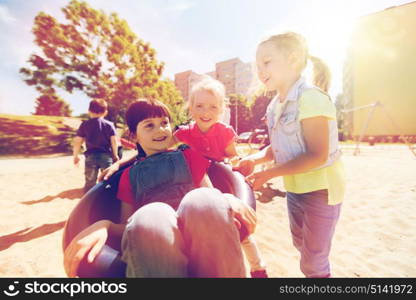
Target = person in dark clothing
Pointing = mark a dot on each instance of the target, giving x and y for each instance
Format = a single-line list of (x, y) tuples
[(100, 138)]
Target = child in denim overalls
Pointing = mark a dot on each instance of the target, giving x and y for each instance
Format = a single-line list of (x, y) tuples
[(173, 223), (304, 145), (216, 141)]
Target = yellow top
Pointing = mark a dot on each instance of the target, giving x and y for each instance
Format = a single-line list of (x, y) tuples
[(312, 104)]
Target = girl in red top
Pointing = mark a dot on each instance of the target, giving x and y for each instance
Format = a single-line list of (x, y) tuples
[(207, 134), (216, 141)]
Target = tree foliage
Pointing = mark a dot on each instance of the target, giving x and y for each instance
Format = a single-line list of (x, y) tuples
[(99, 55), (258, 110), (344, 119), (52, 105), (240, 113)]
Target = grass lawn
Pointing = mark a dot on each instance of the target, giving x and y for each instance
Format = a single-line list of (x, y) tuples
[(33, 135)]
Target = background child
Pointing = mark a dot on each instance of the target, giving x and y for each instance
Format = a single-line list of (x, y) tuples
[(304, 144), (215, 140), (99, 136), (169, 226)]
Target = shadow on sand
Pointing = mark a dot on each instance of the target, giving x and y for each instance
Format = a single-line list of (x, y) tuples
[(69, 194), (266, 193), (27, 234)]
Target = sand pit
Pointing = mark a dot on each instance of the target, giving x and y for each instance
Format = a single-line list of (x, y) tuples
[(375, 236)]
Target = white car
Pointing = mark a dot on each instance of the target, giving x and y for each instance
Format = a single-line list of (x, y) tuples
[(244, 137)]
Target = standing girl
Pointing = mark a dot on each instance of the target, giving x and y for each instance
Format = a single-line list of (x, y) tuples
[(302, 126), (216, 141)]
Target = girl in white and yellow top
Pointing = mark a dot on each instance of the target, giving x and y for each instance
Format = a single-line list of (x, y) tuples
[(304, 145)]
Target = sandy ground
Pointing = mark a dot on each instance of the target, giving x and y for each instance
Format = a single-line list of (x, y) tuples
[(375, 236)]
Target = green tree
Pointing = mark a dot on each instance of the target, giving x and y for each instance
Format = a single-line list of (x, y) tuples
[(258, 110), (99, 55), (52, 105), (344, 119)]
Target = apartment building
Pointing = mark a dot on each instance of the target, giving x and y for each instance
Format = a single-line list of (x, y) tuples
[(226, 73), (237, 77), (184, 82), (244, 78), (379, 86)]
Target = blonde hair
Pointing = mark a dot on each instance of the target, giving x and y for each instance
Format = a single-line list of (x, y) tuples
[(294, 44), (321, 73), (209, 84)]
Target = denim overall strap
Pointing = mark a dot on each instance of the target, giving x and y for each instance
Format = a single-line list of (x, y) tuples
[(163, 177), (286, 137)]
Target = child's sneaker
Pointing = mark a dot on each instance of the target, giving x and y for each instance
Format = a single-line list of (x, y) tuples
[(259, 274)]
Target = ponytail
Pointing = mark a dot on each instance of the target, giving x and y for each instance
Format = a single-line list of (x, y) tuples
[(321, 73)]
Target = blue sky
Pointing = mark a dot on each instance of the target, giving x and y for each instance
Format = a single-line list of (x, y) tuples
[(187, 34)]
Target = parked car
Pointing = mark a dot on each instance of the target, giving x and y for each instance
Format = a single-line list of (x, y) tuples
[(244, 137), (260, 136), (257, 136)]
